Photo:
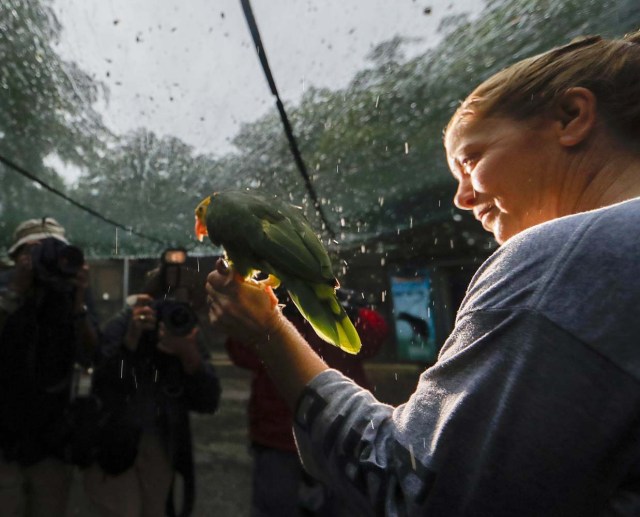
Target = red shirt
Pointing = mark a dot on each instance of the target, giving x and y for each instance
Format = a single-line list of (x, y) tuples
[(270, 420)]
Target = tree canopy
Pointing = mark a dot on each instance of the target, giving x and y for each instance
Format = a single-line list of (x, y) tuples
[(373, 149)]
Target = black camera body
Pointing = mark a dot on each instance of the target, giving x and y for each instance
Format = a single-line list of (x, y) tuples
[(55, 262), (178, 317)]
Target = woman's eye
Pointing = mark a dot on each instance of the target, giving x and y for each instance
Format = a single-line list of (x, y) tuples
[(467, 165)]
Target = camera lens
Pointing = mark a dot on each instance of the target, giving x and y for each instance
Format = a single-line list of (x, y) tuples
[(178, 317), (70, 260)]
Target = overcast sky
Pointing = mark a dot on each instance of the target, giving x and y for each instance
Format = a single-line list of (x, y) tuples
[(188, 67)]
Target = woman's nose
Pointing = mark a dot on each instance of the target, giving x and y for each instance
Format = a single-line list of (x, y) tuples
[(465, 195)]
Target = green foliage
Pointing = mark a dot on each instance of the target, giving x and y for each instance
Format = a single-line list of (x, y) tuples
[(149, 184), (373, 149), (45, 110)]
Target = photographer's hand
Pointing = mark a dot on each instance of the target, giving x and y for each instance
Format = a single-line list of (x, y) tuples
[(143, 318), (81, 283), (23, 277), (184, 348), (12, 297), (87, 330)]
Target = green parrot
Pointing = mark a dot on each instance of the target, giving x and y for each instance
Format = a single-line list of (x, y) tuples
[(273, 237)]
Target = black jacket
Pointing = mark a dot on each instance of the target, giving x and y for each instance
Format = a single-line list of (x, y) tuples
[(148, 389), (38, 348)]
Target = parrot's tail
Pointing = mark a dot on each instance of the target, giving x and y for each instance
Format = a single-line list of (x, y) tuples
[(320, 307)]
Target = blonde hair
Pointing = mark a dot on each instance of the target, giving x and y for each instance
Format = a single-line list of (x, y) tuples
[(531, 87)]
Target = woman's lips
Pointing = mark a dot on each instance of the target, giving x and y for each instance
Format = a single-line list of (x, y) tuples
[(483, 216)]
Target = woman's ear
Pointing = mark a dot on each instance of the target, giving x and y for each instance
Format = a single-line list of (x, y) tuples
[(576, 115)]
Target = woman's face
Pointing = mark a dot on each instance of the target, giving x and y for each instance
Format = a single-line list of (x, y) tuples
[(505, 171)]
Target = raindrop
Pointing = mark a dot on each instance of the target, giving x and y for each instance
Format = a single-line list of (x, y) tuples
[(406, 148), (377, 100), (413, 459), (372, 425), (384, 295)]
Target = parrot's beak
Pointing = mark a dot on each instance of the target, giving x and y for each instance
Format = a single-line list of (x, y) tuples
[(201, 217)]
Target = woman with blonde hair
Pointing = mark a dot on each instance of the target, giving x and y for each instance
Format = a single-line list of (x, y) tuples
[(533, 407)]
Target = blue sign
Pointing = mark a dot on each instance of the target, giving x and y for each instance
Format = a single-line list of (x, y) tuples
[(414, 318)]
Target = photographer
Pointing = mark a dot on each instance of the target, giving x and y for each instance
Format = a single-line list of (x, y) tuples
[(45, 328), (152, 371)]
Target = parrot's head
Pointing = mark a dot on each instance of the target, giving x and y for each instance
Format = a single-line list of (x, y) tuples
[(201, 218)]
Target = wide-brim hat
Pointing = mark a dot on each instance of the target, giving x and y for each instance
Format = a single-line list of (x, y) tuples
[(36, 230)]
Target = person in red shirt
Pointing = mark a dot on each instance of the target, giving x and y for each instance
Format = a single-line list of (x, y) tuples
[(280, 486)]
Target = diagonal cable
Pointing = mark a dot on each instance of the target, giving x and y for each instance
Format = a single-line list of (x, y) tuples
[(87, 209), (293, 145)]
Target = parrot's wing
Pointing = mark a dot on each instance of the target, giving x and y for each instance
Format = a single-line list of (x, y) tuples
[(274, 235), (320, 307)]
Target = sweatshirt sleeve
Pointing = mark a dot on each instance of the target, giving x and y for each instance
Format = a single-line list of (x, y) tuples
[(494, 428)]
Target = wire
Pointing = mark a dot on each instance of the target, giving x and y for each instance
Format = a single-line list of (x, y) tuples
[(87, 209), (293, 145)]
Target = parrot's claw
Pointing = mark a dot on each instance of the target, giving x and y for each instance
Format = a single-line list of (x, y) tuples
[(269, 284), (271, 281)]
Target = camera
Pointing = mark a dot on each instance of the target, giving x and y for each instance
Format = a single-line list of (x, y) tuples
[(178, 317), (54, 261), (170, 287)]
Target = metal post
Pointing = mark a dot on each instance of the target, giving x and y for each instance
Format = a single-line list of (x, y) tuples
[(125, 280)]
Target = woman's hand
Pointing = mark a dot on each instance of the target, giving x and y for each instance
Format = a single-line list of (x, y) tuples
[(246, 311), (242, 309)]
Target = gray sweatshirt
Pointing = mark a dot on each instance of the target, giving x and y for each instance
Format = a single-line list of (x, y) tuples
[(533, 408)]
